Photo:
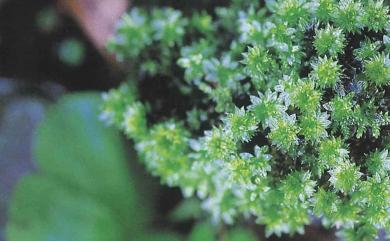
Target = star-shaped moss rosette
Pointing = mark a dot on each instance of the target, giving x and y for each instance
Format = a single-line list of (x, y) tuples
[(287, 109)]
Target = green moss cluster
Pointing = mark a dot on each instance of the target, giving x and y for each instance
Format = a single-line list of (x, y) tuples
[(276, 110)]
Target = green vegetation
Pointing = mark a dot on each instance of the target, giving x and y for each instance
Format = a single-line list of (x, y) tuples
[(279, 111), (85, 190), (72, 52)]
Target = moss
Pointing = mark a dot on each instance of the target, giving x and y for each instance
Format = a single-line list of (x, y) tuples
[(306, 82)]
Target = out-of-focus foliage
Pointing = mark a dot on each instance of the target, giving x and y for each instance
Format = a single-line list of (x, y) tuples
[(87, 155), (202, 232), (286, 109), (188, 209), (47, 19), (83, 190), (71, 52), (205, 232), (43, 209)]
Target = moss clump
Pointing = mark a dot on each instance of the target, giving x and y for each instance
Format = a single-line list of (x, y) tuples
[(276, 110)]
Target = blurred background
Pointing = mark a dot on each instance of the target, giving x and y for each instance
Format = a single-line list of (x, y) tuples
[(68, 177)]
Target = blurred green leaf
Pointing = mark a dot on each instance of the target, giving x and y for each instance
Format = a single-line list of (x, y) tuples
[(75, 147), (159, 237), (241, 234), (207, 232), (72, 52), (84, 176), (186, 210), (43, 210), (47, 19), (202, 232)]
